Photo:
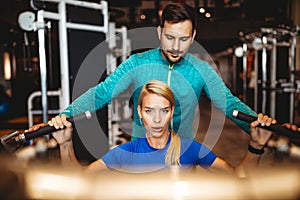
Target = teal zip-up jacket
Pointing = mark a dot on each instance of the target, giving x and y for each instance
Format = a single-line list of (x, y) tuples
[(188, 79)]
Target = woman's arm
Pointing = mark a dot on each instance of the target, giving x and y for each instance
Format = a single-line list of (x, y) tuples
[(258, 139), (64, 138)]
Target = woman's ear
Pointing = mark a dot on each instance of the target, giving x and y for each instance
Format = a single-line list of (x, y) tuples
[(139, 109), (172, 110)]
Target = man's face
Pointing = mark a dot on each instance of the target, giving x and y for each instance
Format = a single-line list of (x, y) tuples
[(176, 39)]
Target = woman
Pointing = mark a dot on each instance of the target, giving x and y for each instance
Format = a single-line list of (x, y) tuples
[(161, 147)]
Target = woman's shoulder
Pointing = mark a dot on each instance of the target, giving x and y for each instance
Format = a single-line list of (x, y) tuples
[(190, 143)]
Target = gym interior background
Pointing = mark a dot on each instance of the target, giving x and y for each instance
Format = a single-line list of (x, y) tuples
[(254, 44)]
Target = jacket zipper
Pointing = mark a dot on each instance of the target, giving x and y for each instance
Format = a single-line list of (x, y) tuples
[(169, 73), (169, 83)]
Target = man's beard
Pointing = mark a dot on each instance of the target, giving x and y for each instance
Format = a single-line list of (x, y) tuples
[(174, 52)]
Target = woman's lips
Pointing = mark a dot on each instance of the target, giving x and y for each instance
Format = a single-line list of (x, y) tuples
[(157, 129)]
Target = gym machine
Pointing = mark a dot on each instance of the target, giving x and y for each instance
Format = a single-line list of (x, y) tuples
[(274, 73)]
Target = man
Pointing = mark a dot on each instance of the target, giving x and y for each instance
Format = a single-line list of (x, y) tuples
[(187, 76)]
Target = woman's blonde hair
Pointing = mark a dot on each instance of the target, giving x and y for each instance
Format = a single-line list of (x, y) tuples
[(162, 89)]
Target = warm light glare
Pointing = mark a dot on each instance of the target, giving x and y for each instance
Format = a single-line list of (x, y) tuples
[(207, 15), (42, 185), (7, 66), (160, 12), (201, 10), (143, 17)]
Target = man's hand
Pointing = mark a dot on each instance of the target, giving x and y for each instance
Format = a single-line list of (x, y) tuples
[(259, 136), (35, 127), (291, 126)]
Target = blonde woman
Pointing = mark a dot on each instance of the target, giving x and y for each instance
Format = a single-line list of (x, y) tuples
[(161, 147)]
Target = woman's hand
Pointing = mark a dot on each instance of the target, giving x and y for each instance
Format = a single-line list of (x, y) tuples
[(60, 122), (63, 136), (259, 136)]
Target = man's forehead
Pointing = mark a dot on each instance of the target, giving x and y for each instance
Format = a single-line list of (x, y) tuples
[(177, 29)]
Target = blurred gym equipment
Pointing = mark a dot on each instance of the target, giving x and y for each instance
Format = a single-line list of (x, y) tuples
[(274, 73), (40, 182)]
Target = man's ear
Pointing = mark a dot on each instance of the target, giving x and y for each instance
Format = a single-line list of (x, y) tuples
[(159, 32), (194, 35)]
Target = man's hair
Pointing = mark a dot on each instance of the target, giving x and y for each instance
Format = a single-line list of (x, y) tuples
[(178, 12)]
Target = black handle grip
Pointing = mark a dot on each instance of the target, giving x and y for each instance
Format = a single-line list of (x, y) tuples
[(294, 136), (49, 129)]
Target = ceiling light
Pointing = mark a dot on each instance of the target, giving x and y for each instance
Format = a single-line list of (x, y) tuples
[(142, 16), (202, 10), (207, 15)]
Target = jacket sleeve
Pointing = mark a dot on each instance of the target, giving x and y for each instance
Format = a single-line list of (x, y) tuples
[(222, 97), (102, 94)]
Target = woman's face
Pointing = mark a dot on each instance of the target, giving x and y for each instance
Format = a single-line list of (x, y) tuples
[(156, 113)]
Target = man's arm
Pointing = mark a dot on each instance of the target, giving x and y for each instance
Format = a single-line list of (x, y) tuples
[(100, 95), (218, 92)]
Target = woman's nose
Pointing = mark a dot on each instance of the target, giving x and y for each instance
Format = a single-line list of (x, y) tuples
[(157, 117)]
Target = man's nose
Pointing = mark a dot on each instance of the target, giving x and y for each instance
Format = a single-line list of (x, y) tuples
[(176, 44)]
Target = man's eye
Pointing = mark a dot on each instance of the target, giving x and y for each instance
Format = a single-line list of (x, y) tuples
[(148, 111), (169, 37), (184, 39)]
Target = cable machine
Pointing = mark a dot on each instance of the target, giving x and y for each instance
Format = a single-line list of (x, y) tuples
[(273, 72), (27, 22)]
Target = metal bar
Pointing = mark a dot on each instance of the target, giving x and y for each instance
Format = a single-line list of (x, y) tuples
[(51, 15), (43, 70), (105, 15), (103, 7), (85, 27), (234, 60), (123, 31), (110, 67), (264, 74), (64, 61), (273, 80), (33, 95), (79, 3), (85, 4), (256, 77), (292, 51), (245, 72)]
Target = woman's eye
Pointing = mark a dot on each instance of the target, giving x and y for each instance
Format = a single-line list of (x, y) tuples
[(165, 110), (148, 111)]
